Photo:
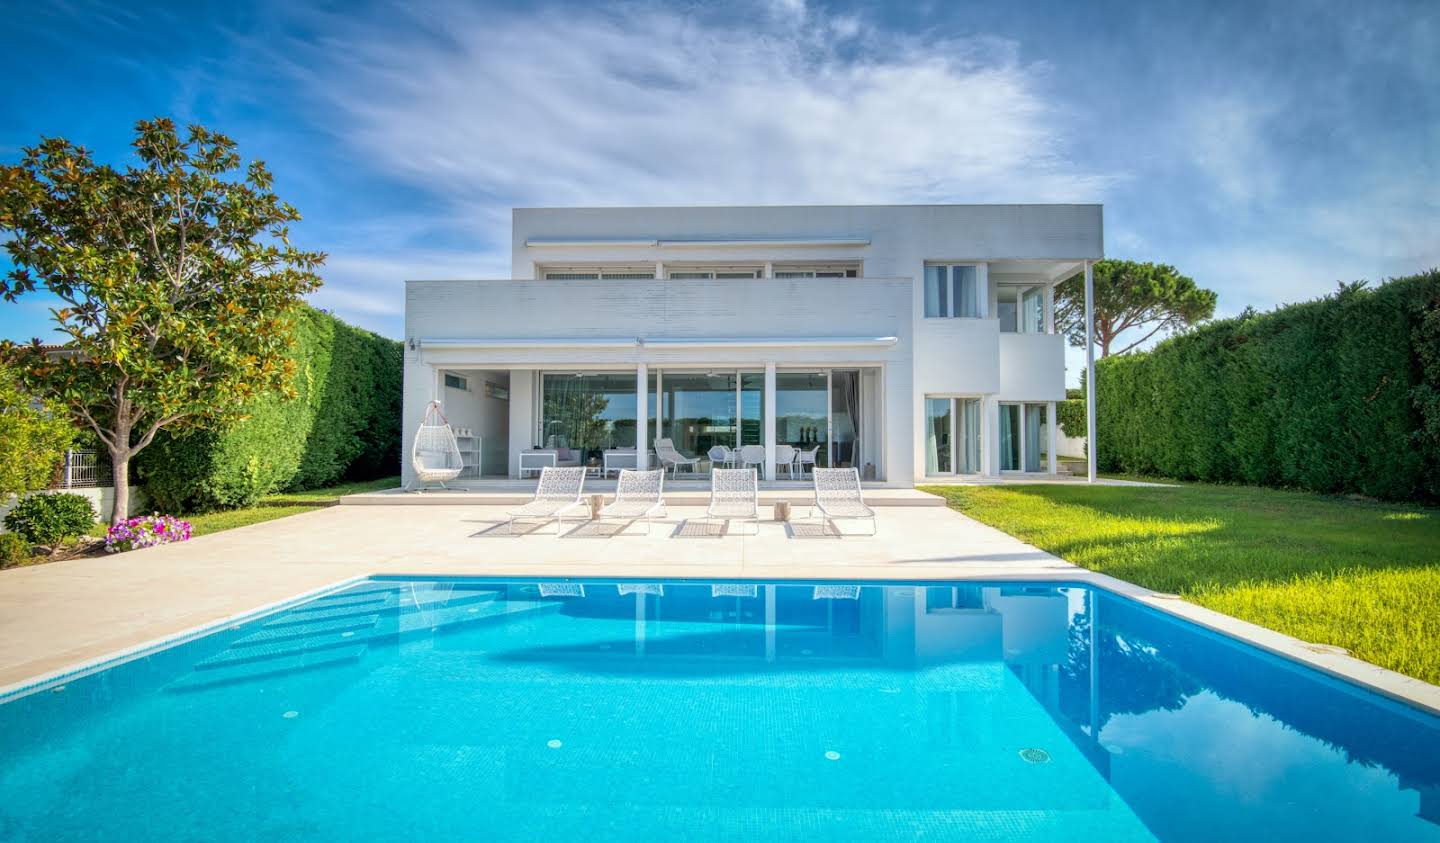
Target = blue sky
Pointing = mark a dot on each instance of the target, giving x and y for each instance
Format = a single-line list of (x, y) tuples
[(1266, 149)]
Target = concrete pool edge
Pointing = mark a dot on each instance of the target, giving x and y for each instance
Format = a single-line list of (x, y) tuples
[(53, 678), (1325, 659)]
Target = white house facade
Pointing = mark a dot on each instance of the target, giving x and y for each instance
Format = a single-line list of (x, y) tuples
[(912, 342)]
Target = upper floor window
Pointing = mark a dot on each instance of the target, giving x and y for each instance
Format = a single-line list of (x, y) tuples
[(817, 270), (595, 273), (692, 272), (952, 290), (1021, 308)]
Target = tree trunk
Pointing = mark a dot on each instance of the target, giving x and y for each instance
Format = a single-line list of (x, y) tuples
[(120, 465)]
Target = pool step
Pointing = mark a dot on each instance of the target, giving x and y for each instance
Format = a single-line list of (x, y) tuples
[(376, 629), (392, 604), (248, 671), (285, 632)]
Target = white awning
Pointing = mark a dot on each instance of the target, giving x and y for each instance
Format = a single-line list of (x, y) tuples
[(724, 243), (767, 342), (662, 342)]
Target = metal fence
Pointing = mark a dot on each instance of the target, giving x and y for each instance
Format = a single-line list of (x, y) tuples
[(81, 469)]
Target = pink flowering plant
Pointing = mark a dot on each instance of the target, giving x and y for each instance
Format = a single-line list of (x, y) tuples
[(146, 531)]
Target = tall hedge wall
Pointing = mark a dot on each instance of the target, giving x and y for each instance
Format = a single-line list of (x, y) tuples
[(1341, 394), (344, 425)]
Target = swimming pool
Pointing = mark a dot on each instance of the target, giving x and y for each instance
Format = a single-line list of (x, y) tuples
[(470, 708)]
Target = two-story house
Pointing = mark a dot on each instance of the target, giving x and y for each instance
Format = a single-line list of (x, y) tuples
[(911, 342)]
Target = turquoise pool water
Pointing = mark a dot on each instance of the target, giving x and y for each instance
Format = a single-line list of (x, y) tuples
[(474, 709)]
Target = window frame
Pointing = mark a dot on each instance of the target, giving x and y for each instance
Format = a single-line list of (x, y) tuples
[(948, 299)]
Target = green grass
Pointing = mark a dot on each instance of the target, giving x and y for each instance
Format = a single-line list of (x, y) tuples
[(1364, 576), (281, 505), (276, 506)]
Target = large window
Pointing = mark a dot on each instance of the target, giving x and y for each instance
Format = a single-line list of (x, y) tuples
[(951, 290), (698, 410), (817, 270), (719, 272), (1024, 437), (937, 435), (952, 435), (587, 412), (802, 421), (595, 273), (1021, 309)]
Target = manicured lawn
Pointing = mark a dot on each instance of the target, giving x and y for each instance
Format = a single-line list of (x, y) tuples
[(276, 506), (281, 505), (1360, 575)]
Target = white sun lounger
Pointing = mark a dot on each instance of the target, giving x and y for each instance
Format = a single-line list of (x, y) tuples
[(838, 495), (735, 495), (638, 494), (557, 495), (671, 458)]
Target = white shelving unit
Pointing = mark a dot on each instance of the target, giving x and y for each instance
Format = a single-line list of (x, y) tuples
[(470, 447)]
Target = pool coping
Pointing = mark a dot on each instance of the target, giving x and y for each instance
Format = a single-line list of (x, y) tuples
[(1329, 660)]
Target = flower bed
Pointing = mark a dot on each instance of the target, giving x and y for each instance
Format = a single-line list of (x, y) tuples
[(146, 531)]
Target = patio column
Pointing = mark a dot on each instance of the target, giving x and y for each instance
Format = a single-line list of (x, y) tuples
[(1052, 430), (770, 421), (642, 420), (1090, 370)]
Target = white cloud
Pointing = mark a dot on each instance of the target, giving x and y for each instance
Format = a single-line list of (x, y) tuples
[(365, 285), (1228, 143), (646, 106)]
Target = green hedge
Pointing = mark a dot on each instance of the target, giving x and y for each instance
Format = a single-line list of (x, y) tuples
[(1070, 413), (344, 425), (1340, 394)]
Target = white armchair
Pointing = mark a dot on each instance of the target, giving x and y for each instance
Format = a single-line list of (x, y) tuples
[(721, 457), (785, 460), (805, 458), (752, 455)]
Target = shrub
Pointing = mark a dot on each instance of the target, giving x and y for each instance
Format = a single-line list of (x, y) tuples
[(33, 437), (344, 425), (145, 531), (1070, 413), (50, 519), (1334, 395), (13, 550)]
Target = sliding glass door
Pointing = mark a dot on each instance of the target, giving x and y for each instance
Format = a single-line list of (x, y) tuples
[(802, 412), (1034, 422), (937, 435), (587, 412), (1024, 437), (952, 435), (698, 410), (845, 421), (1010, 441), (968, 435)]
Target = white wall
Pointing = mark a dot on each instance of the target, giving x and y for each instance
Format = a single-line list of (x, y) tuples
[(590, 311), (100, 497), (1042, 243), (902, 237), (487, 416), (1032, 367)]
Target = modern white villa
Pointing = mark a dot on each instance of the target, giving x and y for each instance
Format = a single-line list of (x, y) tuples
[(913, 343)]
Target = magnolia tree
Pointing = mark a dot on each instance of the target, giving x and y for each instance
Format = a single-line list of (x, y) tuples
[(1143, 299), (176, 278)]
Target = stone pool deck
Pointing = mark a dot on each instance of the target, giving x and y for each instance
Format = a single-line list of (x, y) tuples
[(62, 615)]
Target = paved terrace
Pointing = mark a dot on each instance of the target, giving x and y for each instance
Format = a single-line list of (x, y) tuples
[(60, 615)]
